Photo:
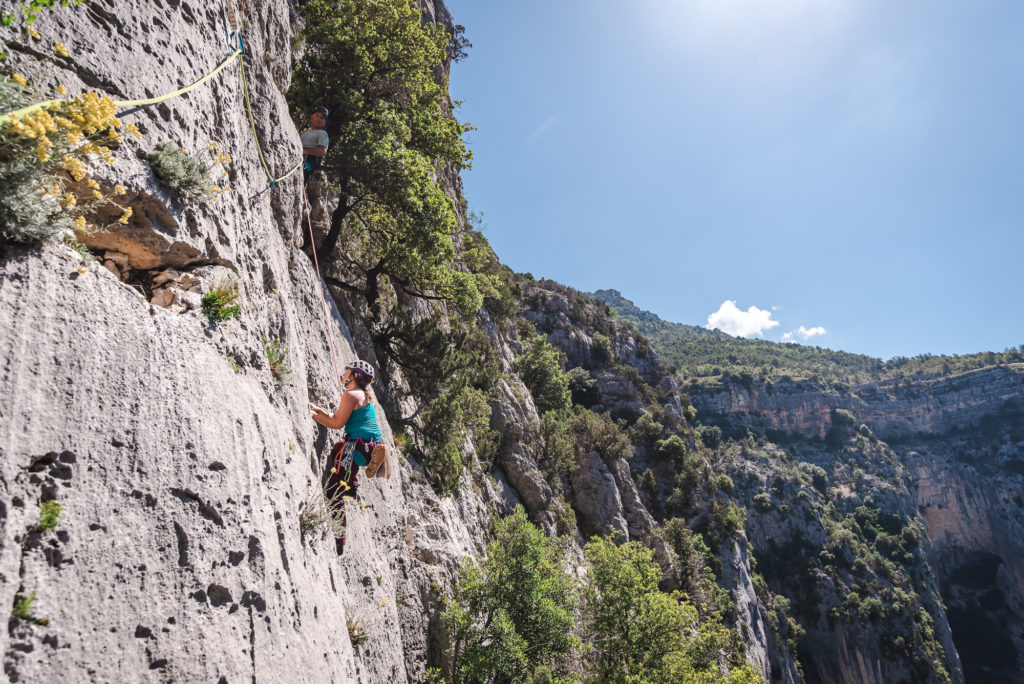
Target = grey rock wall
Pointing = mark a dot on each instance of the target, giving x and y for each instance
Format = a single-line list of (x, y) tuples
[(180, 463)]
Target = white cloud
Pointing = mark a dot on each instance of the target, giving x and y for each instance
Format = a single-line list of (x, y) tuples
[(805, 333), (732, 320)]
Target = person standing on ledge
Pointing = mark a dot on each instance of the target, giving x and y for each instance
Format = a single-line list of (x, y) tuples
[(314, 141), (361, 445)]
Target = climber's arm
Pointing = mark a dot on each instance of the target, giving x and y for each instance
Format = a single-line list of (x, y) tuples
[(336, 420)]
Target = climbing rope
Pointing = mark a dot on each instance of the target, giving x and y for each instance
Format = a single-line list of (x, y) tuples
[(127, 103), (271, 181), (322, 287)]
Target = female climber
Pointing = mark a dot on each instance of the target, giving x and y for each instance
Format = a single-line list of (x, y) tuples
[(356, 413)]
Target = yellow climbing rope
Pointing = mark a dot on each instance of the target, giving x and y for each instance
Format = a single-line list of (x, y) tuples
[(271, 181), (126, 103)]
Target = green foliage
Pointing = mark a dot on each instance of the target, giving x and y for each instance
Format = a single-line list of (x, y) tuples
[(763, 502), (584, 388), (672, 448), (540, 367), (451, 369), (318, 512), (646, 430), (375, 65), (843, 418), (727, 517), (23, 609), (600, 433), (514, 613), (558, 457), (724, 483), (602, 351), (277, 360), (640, 634), (182, 174), (710, 435), (50, 513), (358, 633), (648, 486), (448, 420), (28, 212), (31, 10), (219, 303)]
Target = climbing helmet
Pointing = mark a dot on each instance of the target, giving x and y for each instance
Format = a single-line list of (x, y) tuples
[(362, 368)]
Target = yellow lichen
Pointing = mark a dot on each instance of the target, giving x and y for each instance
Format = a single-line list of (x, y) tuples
[(19, 79)]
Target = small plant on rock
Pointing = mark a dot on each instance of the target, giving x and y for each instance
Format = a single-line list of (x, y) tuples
[(358, 627), (50, 513), (23, 609), (219, 303), (357, 632), (277, 354), (23, 605), (185, 176), (318, 512)]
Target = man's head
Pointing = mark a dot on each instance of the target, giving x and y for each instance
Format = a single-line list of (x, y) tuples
[(318, 117)]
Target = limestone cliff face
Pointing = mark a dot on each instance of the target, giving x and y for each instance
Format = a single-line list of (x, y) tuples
[(892, 410), (181, 464)]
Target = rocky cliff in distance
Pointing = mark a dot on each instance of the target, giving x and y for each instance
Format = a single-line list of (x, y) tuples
[(892, 409)]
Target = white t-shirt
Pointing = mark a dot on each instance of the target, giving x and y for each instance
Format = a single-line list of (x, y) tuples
[(314, 138)]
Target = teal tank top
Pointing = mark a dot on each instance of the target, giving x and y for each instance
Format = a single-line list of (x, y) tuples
[(363, 423)]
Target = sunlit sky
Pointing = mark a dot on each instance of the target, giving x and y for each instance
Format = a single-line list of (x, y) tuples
[(846, 173)]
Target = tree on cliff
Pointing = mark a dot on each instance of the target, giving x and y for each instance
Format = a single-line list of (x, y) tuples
[(379, 69)]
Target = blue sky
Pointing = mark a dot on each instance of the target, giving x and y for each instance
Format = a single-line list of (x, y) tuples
[(846, 173)]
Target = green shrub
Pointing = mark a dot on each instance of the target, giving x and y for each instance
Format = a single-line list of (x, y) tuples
[(710, 435), (23, 605), (672, 448), (843, 418), (514, 612), (646, 429), (647, 485), (540, 367), (219, 303), (50, 513), (559, 452), (277, 354), (601, 350), (184, 175), (763, 502), (724, 482), (600, 433), (641, 634), (583, 387)]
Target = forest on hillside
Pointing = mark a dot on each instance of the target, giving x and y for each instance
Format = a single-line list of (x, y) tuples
[(699, 353)]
